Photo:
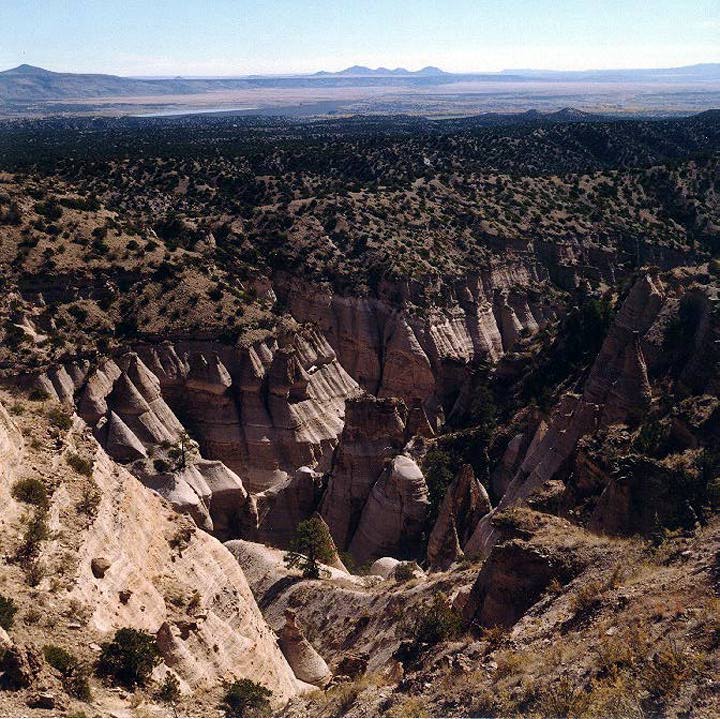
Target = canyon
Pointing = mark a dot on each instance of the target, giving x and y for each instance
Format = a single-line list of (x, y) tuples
[(492, 385)]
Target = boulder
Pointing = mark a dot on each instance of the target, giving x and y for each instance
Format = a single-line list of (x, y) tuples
[(99, 565), (385, 566)]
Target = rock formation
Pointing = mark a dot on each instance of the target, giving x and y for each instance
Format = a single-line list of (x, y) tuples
[(264, 410), (282, 507), (619, 360), (306, 663), (394, 515), (374, 432), (134, 555), (465, 502)]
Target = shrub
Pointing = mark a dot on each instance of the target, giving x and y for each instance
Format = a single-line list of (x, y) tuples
[(34, 572), (50, 209), (74, 674), (60, 418), (129, 658), (89, 501), (439, 468), (509, 663), (7, 612), (161, 465), (169, 691), (59, 658), (437, 622), (312, 545), (563, 699), (404, 572), (37, 531), (587, 597), (80, 464), (30, 491), (38, 394), (246, 698)]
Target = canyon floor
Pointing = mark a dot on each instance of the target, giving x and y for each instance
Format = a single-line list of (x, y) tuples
[(478, 363)]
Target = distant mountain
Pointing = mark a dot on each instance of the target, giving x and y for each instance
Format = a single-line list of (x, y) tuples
[(24, 87), (34, 84), (363, 71), (705, 72)]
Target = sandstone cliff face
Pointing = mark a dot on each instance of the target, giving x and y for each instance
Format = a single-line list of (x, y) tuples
[(282, 507), (399, 353), (264, 410), (212, 494), (132, 561), (258, 413), (122, 402)]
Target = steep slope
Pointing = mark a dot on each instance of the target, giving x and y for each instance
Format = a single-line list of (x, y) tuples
[(118, 556)]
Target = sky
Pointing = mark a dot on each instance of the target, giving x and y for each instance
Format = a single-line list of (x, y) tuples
[(240, 37)]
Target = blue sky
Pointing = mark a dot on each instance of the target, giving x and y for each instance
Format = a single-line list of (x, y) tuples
[(232, 37)]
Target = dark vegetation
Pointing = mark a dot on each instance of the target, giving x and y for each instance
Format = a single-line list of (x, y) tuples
[(246, 698), (129, 658), (7, 612), (74, 674), (163, 226), (311, 547), (573, 349), (429, 625)]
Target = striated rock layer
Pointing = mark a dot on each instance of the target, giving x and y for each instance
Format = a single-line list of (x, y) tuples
[(414, 356), (134, 557)]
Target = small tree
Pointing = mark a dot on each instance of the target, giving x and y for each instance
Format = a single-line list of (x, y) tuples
[(129, 658), (311, 546), (246, 698)]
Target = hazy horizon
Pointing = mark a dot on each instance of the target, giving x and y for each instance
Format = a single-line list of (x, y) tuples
[(390, 67)]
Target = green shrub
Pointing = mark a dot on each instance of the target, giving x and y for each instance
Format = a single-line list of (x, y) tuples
[(161, 465), (7, 612), (74, 673), (36, 531), (438, 622), (439, 469), (89, 501), (60, 418), (59, 658), (129, 658), (50, 210), (169, 691), (404, 572), (38, 395), (30, 491), (246, 698), (80, 464)]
